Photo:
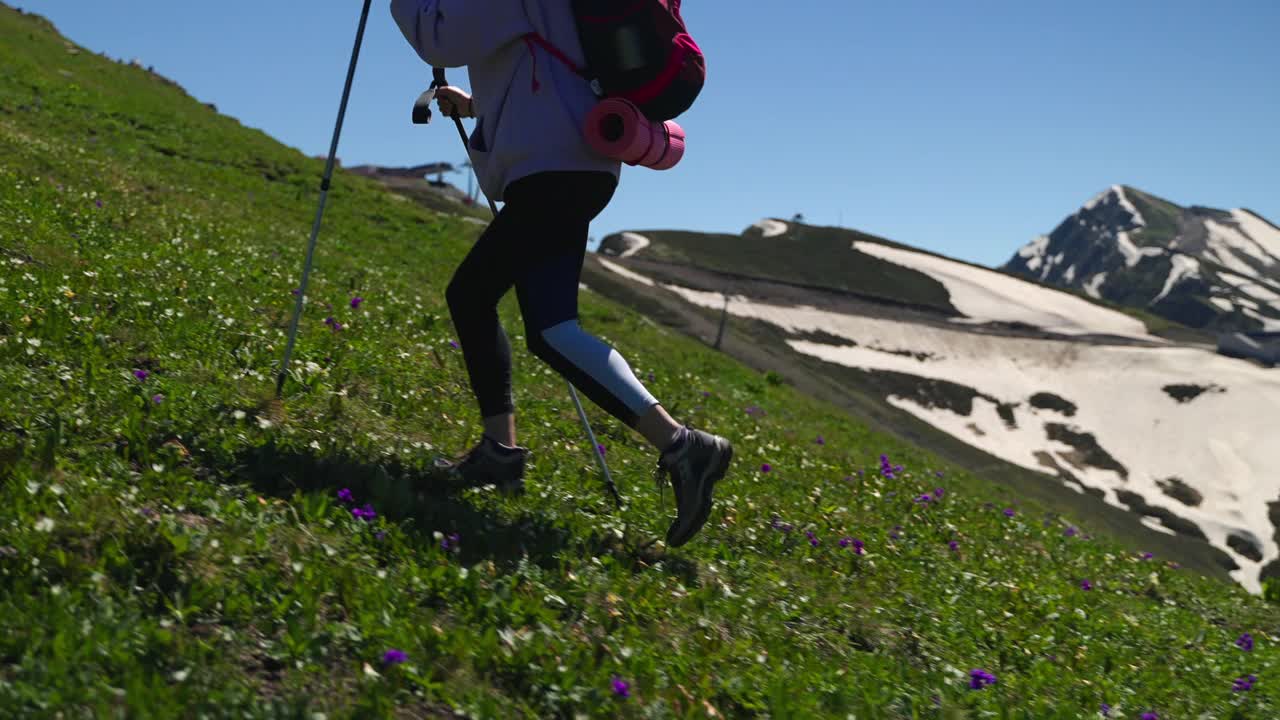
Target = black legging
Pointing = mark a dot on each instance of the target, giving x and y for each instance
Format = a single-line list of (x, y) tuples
[(537, 243)]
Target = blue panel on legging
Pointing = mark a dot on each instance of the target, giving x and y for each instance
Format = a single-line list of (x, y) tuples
[(549, 292), (601, 363)]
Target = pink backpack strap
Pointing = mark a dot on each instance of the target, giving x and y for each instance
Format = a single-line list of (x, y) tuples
[(534, 38)]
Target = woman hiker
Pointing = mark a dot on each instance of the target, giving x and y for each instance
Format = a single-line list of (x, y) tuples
[(528, 151)]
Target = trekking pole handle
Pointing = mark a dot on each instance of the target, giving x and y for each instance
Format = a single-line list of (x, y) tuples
[(438, 81)]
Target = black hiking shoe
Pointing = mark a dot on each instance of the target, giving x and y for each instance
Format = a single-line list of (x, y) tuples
[(693, 471), (488, 463)]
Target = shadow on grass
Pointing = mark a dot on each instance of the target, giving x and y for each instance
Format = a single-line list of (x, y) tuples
[(422, 503), (413, 498)]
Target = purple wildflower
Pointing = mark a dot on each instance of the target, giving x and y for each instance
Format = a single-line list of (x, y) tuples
[(845, 541), (1244, 684), (766, 468), (1150, 716), (98, 202), (394, 657), (1245, 642), (453, 344), (979, 679), (365, 513), (1070, 532), (1008, 512), (157, 398), (355, 302), (813, 539), (451, 542), (886, 468), (706, 393), (820, 441), (1105, 710), (600, 449), (938, 492), (621, 687), (1147, 556), (295, 292), (345, 496), (939, 473), (857, 546), (381, 535), (953, 545), (924, 499), (1086, 585), (142, 375)]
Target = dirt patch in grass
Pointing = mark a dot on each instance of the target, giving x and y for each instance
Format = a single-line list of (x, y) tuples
[(1175, 488), (1049, 401), (1138, 504), (1087, 452), (1187, 393)]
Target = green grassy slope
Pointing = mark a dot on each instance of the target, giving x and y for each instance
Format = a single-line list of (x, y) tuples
[(172, 542)]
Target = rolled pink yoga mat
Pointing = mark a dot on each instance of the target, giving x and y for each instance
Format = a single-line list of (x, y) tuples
[(617, 129)]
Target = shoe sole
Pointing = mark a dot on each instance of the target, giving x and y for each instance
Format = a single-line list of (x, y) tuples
[(708, 487)]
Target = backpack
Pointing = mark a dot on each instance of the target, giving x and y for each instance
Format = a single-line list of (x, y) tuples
[(637, 50)]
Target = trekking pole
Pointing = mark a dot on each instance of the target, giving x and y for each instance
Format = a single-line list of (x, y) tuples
[(324, 193), (424, 116)]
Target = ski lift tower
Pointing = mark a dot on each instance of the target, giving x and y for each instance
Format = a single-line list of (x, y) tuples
[(467, 167)]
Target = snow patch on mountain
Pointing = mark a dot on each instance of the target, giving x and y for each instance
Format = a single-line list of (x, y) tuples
[(986, 296), (1093, 286), (771, 228), (1235, 238), (1034, 252), (1132, 253), (1257, 291), (1184, 266), (1227, 245), (634, 276), (1117, 192), (1262, 232), (1269, 324), (635, 242)]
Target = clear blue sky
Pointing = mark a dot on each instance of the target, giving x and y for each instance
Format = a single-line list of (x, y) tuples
[(964, 128)]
